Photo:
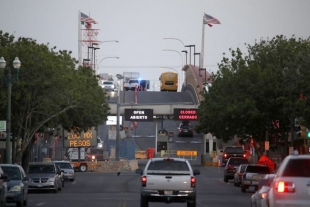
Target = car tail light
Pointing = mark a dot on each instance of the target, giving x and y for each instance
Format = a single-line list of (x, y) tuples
[(193, 182), (285, 187), (143, 179), (225, 155), (263, 195), (244, 155)]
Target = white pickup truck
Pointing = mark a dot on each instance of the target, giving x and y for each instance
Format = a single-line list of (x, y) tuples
[(131, 84), (168, 180), (253, 173)]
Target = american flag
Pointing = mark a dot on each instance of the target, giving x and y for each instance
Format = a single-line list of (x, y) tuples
[(87, 19), (208, 19)]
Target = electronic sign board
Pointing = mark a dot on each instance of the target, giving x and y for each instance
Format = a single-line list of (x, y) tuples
[(81, 139), (185, 114), (138, 114)]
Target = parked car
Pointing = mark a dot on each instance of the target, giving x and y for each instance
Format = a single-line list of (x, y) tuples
[(252, 175), (231, 167), (66, 166), (168, 180), (259, 198), (238, 174), (108, 85), (291, 185), (17, 186), (3, 187), (185, 129), (44, 176), (232, 151)]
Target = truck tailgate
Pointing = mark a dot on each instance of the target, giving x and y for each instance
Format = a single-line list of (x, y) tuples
[(254, 176), (168, 182)]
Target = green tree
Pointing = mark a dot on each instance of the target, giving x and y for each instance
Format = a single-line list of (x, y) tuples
[(250, 92), (50, 91)]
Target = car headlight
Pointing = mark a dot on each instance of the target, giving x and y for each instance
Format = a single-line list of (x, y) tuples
[(51, 180), (16, 188), (93, 157), (70, 173)]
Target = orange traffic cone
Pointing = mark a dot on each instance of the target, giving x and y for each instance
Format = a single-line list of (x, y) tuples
[(219, 163)]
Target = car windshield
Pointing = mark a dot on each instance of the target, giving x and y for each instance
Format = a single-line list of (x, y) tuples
[(41, 169), (184, 126), (297, 168), (12, 172), (232, 150), (168, 165), (107, 83), (64, 165)]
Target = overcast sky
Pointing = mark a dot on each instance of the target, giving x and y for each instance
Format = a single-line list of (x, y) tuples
[(141, 25)]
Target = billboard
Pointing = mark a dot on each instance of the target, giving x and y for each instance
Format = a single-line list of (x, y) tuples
[(80, 138)]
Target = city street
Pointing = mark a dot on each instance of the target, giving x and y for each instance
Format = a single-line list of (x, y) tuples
[(109, 190)]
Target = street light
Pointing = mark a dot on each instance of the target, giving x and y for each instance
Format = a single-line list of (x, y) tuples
[(176, 72), (108, 41), (196, 53), (164, 50), (185, 51), (170, 38), (119, 78), (106, 58), (84, 60), (190, 52), (9, 79)]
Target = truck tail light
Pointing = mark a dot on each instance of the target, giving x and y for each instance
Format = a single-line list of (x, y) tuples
[(193, 182), (225, 155), (244, 155), (285, 187), (244, 176), (143, 179)]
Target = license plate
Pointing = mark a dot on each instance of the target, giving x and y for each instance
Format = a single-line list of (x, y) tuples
[(168, 192), (252, 188), (39, 185)]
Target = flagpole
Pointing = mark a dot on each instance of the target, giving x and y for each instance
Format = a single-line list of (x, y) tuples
[(202, 44), (79, 38)]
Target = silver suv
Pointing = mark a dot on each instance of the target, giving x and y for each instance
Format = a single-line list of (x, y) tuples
[(168, 180), (108, 85), (44, 176)]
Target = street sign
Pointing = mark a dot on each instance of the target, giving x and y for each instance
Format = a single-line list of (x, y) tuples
[(81, 139), (138, 115), (186, 153), (2, 126), (185, 114)]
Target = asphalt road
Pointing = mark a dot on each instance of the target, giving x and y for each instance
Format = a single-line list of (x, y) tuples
[(109, 190)]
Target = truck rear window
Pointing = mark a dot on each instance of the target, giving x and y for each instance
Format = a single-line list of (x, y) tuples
[(233, 150), (168, 166), (258, 169)]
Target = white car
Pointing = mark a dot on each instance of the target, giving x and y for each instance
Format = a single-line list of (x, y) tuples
[(108, 85), (259, 198), (291, 185)]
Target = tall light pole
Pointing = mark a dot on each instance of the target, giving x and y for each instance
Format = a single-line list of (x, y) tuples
[(119, 78), (176, 72), (185, 51), (106, 58), (196, 53), (108, 41), (9, 80), (171, 38), (190, 52)]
